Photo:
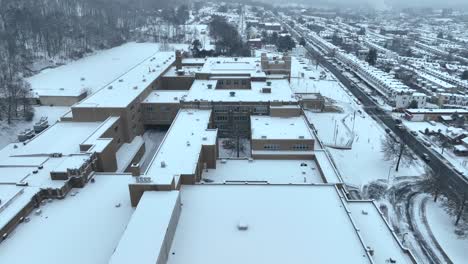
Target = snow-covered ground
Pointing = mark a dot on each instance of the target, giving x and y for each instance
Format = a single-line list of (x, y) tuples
[(9, 133), (365, 161), (244, 149), (442, 227)]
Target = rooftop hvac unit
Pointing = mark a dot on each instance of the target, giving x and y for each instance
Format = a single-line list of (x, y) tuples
[(269, 83), (250, 160), (266, 90), (210, 86), (135, 87), (121, 80), (264, 137), (110, 87), (204, 138), (301, 137), (223, 161), (232, 94), (163, 164)]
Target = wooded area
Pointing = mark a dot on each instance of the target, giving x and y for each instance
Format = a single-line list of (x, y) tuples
[(35, 34)]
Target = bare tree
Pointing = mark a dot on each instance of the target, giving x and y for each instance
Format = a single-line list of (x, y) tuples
[(396, 151)]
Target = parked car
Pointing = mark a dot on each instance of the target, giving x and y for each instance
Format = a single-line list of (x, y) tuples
[(426, 157)]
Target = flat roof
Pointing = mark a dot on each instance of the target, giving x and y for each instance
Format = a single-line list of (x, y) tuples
[(62, 137), (285, 224), (146, 231), (165, 97), (182, 145), (233, 65), (437, 111), (280, 91), (90, 222), (126, 88), (264, 171), (279, 128), (186, 71)]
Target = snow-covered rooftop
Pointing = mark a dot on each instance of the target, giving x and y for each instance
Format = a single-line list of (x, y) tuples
[(145, 235), (267, 127), (181, 147), (126, 88), (165, 96), (233, 66), (265, 224), (89, 223), (201, 91), (265, 171)]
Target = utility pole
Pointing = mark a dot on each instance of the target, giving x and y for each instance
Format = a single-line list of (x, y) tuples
[(402, 147), (354, 120)]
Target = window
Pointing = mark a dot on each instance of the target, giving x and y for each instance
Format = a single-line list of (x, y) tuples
[(228, 82), (236, 82), (300, 147), (221, 118), (271, 146), (244, 82), (116, 128)]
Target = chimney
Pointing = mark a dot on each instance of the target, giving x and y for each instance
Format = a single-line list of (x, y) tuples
[(135, 169), (178, 62)]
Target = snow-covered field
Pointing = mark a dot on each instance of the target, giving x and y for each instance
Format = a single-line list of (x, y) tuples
[(364, 162), (442, 227)]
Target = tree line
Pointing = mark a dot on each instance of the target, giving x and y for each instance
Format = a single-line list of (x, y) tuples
[(50, 32)]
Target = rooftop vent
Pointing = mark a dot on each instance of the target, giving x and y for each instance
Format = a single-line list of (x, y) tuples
[(301, 137), (232, 93), (236, 59), (264, 137), (242, 226), (204, 138), (268, 83), (110, 87), (135, 87), (83, 78), (144, 80), (250, 160), (61, 89), (163, 164), (121, 80), (266, 90), (188, 143), (210, 86), (223, 161)]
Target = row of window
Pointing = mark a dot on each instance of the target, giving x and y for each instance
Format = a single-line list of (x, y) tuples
[(235, 118), (294, 147), (234, 82)]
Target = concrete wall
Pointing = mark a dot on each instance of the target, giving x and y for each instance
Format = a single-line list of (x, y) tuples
[(61, 100), (176, 82), (285, 111)]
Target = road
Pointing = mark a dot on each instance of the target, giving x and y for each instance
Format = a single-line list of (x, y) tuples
[(454, 180)]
